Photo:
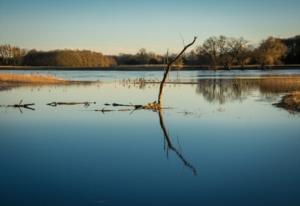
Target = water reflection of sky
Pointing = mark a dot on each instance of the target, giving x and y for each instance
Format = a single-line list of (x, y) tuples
[(245, 150)]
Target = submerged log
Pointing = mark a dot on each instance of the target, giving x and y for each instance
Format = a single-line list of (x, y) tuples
[(54, 104), (151, 106), (135, 106)]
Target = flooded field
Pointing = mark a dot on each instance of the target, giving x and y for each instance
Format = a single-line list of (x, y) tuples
[(219, 141)]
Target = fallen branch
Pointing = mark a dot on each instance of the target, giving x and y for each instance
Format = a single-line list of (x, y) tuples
[(136, 106), (54, 104), (150, 106), (104, 110), (20, 105)]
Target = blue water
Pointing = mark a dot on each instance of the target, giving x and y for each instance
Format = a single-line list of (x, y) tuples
[(245, 151)]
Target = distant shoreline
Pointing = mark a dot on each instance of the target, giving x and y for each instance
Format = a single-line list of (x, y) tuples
[(145, 68)]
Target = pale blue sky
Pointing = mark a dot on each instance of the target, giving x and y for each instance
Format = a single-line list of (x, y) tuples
[(115, 26)]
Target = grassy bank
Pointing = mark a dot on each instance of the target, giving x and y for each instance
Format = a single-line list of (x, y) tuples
[(8, 81), (30, 78)]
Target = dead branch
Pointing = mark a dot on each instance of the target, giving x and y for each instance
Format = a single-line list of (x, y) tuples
[(54, 104), (168, 69), (135, 106), (103, 110), (156, 106), (20, 105), (150, 106)]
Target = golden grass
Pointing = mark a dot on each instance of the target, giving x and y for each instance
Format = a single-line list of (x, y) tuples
[(280, 84), (290, 102), (30, 78)]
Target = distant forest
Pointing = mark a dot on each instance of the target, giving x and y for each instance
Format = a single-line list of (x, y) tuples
[(215, 52)]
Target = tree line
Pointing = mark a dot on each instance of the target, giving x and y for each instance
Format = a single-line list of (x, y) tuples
[(215, 52), (11, 55)]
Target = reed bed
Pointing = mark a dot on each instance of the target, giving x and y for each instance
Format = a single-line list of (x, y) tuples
[(30, 78)]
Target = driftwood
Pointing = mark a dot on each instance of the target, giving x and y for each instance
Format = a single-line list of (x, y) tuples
[(20, 105), (150, 106), (135, 106), (54, 104), (103, 110)]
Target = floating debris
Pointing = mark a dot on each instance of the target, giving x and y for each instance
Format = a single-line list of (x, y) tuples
[(20, 105), (86, 104)]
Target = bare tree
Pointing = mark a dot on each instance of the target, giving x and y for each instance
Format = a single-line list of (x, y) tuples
[(235, 48), (210, 49)]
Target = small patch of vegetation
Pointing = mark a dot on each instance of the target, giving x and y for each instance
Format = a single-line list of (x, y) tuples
[(30, 78), (290, 102)]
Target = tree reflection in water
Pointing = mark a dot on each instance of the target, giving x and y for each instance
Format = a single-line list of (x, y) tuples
[(224, 90), (169, 145)]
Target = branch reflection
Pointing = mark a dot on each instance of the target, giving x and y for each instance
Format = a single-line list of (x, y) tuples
[(170, 145)]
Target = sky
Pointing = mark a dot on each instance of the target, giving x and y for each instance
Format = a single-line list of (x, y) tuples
[(120, 26)]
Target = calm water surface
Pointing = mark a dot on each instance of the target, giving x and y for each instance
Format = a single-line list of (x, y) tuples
[(220, 142)]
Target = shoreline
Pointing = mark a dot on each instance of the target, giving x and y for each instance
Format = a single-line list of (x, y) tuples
[(147, 68), (8, 81)]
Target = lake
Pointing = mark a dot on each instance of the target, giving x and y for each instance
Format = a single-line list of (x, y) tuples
[(219, 141)]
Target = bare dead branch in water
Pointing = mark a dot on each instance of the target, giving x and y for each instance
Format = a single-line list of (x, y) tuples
[(150, 106), (168, 69), (20, 105), (103, 110), (135, 106), (156, 106), (170, 146), (54, 104)]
